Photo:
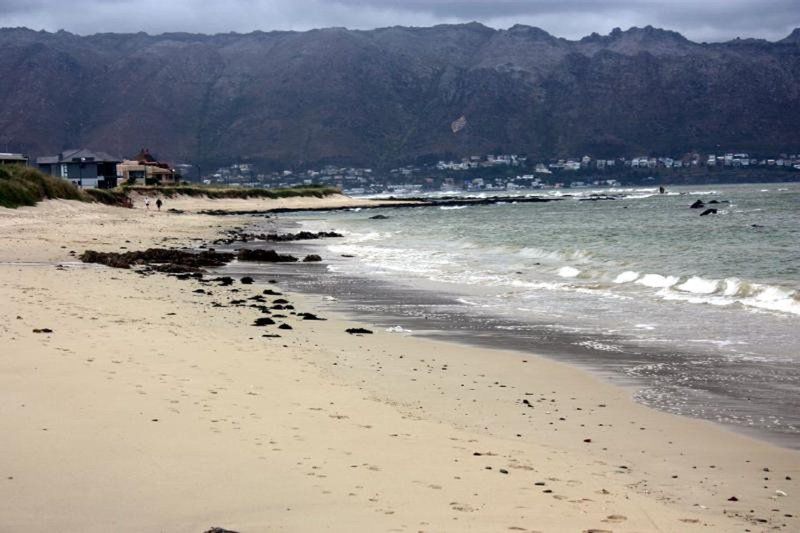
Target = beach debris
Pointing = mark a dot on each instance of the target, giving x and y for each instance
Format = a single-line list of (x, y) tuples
[(710, 211), (698, 204), (358, 331), (780, 493), (43, 330), (247, 280), (312, 258), (263, 321), (264, 256)]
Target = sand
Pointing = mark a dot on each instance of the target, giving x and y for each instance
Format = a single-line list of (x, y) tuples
[(148, 409), (200, 203)]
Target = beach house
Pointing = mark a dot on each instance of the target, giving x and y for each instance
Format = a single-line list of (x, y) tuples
[(144, 169), (84, 168)]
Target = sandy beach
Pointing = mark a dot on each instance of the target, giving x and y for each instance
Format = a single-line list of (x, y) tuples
[(147, 408)]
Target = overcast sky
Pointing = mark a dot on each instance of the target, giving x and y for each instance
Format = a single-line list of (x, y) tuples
[(699, 20)]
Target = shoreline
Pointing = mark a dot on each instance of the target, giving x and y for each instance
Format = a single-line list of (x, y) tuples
[(432, 310), (198, 418)]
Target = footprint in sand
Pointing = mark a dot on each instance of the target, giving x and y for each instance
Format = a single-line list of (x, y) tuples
[(615, 518)]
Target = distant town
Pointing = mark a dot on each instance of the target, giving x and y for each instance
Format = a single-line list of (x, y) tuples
[(489, 172)]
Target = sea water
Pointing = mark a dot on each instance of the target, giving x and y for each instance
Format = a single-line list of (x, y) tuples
[(702, 313)]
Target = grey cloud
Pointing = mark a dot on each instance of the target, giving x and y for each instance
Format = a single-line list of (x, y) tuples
[(710, 20)]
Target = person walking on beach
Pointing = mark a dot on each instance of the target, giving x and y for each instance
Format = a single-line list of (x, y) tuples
[(147, 203), (159, 203)]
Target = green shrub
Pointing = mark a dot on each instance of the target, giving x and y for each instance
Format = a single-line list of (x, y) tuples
[(20, 186), (27, 186)]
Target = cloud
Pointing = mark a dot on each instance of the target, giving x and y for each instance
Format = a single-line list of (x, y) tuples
[(709, 20)]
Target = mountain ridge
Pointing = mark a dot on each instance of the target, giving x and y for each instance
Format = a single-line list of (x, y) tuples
[(384, 96)]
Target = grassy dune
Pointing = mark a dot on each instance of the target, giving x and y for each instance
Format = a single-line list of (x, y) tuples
[(21, 186)]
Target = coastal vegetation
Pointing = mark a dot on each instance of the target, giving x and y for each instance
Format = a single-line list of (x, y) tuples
[(21, 186), (25, 186)]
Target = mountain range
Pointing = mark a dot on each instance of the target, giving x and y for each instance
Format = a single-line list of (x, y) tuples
[(394, 95)]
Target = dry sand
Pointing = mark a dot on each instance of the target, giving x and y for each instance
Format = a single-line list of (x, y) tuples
[(147, 409)]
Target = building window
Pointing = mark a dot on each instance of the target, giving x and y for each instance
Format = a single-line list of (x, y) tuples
[(64, 172)]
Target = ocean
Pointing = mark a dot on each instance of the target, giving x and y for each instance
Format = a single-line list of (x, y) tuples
[(699, 314)]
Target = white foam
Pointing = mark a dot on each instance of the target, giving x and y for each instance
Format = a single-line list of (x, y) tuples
[(568, 272), (698, 285), (452, 207), (398, 329), (732, 286), (657, 281), (626, 277), (773, 299)]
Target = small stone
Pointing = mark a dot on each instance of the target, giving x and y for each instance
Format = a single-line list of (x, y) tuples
[(733, 499)]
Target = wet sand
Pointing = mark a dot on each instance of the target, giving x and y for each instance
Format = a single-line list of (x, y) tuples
[(147, 407)]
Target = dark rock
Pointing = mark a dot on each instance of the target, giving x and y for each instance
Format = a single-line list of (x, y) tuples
[(159, 259), (263, 321), (264, 256), (280, 301), (698, 204), (312, 258), (199, 291), (358, 331), (309, 316), (713, 202), (301, 236), (247, 280), (270, 292), (43, 330), (710, 211), (733, 499), (378, 217), (220, 530), (285, 326)]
